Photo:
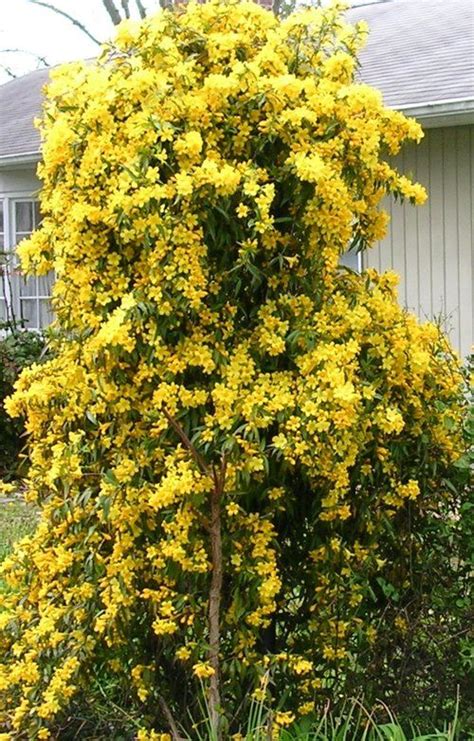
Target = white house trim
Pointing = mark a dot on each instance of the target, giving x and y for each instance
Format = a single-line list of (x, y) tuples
[(18, 160), (442, 113)]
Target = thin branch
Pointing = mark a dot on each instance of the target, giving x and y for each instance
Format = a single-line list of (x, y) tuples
[(187, 442), (171, 721), (8, 71), (70, 18), (125, 6), (140, 8), (38, 57), (112, 11)]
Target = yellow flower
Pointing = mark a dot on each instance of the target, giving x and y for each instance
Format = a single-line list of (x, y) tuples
[(199, 186), (183, 653), (203, 670), (242, 210), (232, 509), (284, 719)]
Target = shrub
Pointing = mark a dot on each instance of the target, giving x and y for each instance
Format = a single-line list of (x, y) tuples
[(18, 349), (236, 442), (425, 652)]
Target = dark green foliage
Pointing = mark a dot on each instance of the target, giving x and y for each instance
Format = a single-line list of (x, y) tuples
[(424, 656), (18, 349)]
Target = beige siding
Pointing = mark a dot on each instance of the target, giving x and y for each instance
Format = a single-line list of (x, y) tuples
[(18, 180), (432, 246)]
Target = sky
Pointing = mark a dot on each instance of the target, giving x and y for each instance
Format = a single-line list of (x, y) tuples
[(36, 30)]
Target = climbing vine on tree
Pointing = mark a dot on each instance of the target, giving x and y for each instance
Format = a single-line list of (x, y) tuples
[(231, 427)]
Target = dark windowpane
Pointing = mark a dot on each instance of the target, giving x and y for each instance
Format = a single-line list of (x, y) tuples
[(1, 217), (37, 214), (24, 216), (29, 313), (45, 284), (46, 314), (28, 287)]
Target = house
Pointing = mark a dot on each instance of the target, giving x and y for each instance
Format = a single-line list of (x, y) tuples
[(20, 104), (421, 55)]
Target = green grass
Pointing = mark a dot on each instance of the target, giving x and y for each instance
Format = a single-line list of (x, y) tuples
[(353, 722), (17, 519)]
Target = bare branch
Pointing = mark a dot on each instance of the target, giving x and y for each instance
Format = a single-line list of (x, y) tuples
[(112, 11), (38, 57), (140, 8), (8, 71), (126, 9), (70, 18), (276, 7)]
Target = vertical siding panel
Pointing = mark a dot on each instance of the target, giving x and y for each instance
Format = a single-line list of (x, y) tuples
[(371, 257), (423, 231), (381, 255), (398, 234), (451, 242), (438, 308), (411, 270), (431, 246), (465, 194), (386, 248)]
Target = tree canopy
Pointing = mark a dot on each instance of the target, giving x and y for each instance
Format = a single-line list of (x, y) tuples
[(235, 439)]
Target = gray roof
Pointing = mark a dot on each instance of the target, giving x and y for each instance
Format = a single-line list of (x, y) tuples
[(20, 104), (419, 52)]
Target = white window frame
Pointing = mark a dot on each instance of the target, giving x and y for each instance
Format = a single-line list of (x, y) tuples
[(12, 285), (7, 249)]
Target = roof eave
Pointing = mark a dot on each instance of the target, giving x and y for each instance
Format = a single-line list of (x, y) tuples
[(441, 113), (20, 160), (431, 115)]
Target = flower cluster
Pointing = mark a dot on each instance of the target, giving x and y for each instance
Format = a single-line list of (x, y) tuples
[(200, 182)]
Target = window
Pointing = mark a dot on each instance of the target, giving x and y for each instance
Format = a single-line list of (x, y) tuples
[(3, 256), (26, 300)]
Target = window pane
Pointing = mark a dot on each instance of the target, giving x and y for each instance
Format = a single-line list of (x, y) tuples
[(45, 284), (46, 313), (28, 286), (1, 217), (24, 216), (29, 313), (37, 214), (30, 294)]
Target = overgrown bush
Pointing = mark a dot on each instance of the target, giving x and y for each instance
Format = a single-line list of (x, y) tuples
[(18, 349), (237, 446), (426, 660)]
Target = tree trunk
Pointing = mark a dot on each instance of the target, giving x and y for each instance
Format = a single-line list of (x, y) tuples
[(215, 604)]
